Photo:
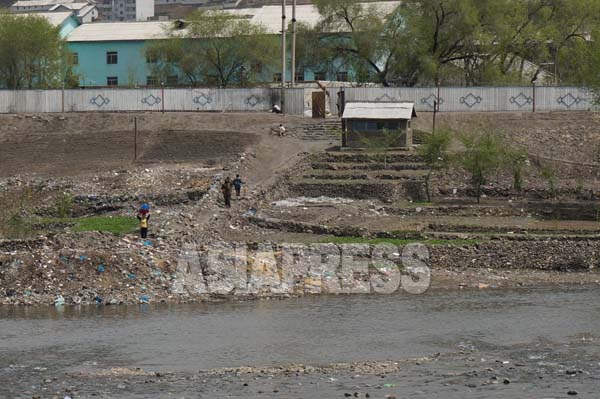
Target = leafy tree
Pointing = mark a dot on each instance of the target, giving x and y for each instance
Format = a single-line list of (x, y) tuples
[(468, 42), (214, 48), (549, 175), (31, 53), (434, 152), (354, 36), (515, 160), (482, 156)]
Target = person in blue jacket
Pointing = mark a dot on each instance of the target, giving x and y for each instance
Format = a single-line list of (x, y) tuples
[(237, 184)]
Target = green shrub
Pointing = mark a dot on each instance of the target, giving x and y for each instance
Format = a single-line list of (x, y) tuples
[(63, 206), (434, 152), (482, 156)]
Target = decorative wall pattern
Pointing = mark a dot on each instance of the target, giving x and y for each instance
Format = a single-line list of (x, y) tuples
[(451, 99)]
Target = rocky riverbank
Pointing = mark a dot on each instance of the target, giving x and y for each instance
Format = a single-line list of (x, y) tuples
[(97, 268)]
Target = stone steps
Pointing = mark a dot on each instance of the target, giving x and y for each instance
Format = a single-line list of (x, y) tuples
[(362, 175), (322, 130), (363, 189), (369, 157), (373, 166)]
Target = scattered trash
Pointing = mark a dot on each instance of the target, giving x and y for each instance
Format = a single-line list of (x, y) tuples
[(148, 243), (101, 269), (83, 258), (250, 212), (144, 298), (59, 301), (131, 276), (98, 300), (301, 201)]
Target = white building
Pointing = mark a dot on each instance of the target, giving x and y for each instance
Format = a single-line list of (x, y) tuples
[(217, 4), (126, 10), (84, 10)]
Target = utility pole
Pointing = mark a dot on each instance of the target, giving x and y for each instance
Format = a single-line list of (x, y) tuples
[(135, 132), (283, 56), (293, 43), (436, 104)]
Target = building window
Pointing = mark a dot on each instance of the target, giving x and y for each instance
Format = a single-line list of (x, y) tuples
[(112, 57), (112, 81), (75, 58), (299, 76), (342, 76), (151, 81), (172, 80), (320, 75), (277, 77)]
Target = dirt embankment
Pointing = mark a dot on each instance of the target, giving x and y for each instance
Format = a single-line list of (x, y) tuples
[(59, 145), (183, 157), (569, 136)]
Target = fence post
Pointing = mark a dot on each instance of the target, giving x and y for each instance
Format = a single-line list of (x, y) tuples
[(533, 102), (134, 138), (162, 97)]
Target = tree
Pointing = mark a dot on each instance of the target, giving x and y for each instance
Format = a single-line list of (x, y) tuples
[(434, 152), (480, 158), (31, 53), (469, 42), (356, 37), (214, 48), (549, 175), (515, 159)]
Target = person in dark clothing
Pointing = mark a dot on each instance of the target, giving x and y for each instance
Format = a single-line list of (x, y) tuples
[(143, 216), (226, 189), (237, 184)]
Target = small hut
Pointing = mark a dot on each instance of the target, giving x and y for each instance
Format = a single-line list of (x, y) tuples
[(371, 122)]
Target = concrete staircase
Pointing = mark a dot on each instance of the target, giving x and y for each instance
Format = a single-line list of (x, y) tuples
[(323, 129)]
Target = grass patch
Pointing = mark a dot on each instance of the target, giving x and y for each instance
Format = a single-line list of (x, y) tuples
[(117, 225), (397, 241)]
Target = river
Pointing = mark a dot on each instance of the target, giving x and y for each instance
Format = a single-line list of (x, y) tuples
[(309, 330)]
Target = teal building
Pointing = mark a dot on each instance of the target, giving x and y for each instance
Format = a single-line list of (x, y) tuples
[(114, 53)]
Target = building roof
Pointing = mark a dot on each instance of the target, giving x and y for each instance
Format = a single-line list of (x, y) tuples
[(267, 16), (72, 6), (55, 18), (270, 16), (39, 3), (379, 110), (121, 31)]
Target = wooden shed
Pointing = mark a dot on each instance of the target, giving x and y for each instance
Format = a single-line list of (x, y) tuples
[(371, 123)]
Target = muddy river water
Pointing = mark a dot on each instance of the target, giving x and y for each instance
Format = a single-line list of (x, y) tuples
[(553, 331)]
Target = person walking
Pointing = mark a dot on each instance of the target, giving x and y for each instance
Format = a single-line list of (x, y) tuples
[(226, 190), (143, 216), (237, 184)]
